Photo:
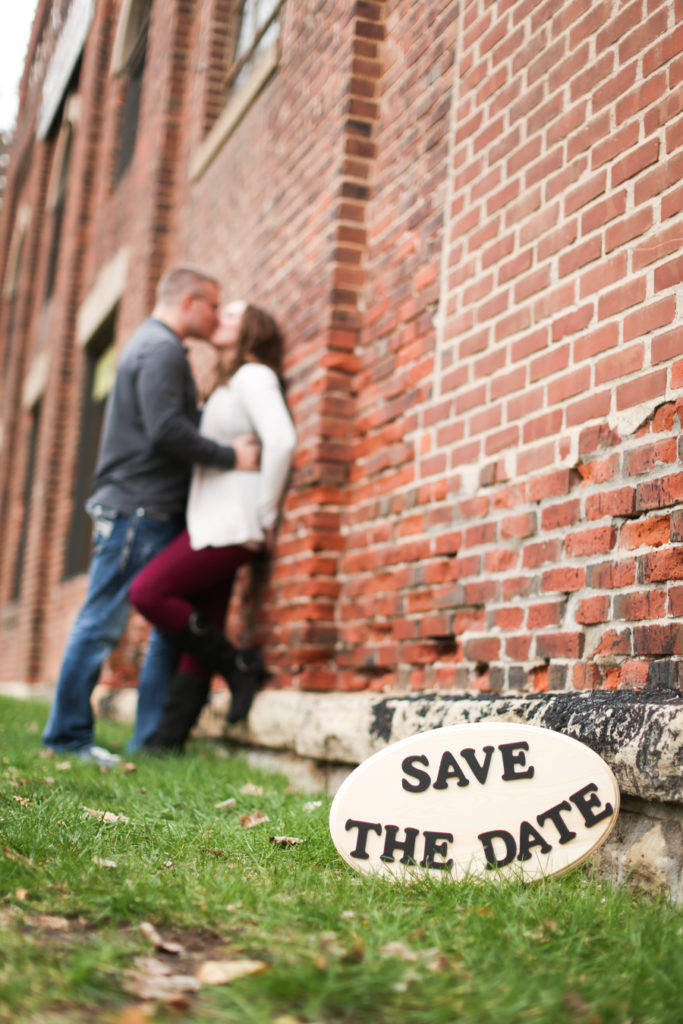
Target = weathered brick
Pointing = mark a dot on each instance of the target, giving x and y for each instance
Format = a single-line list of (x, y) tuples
[(647, 604), (560, 645)]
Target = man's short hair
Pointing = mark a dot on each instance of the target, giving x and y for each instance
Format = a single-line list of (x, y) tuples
[(179, 280)]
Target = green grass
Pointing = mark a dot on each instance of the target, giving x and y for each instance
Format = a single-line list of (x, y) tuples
[(562, 950)]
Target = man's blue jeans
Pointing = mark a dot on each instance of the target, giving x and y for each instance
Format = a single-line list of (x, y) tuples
[(122, 545)]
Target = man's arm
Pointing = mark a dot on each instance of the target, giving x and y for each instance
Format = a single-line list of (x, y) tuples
[(165, 389)]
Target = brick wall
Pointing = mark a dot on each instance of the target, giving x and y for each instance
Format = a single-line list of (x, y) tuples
[(466, 216)]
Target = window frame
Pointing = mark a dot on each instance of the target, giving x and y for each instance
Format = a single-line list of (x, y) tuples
[(239, 99)]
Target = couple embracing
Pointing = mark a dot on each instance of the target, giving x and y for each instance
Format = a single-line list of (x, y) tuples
[(174, 555)]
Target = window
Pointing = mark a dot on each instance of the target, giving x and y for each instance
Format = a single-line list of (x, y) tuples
[(128, 60), (250, 50), (100, 359), (258, 30)]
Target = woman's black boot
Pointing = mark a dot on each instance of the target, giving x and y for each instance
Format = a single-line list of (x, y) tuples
[(243, 671), (185, 699)]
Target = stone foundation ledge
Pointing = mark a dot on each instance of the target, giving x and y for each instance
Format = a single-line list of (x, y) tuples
[(316, 740)]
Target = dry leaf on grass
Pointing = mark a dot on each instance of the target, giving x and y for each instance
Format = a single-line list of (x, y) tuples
[(311, 805), (150, 932), (431, 959), (138, 1014), (249, 789), (128, 766), (255, 818), (23, 800), (63, 766), (102, 862), (168, 988), (226, 805), (50, 922), (21, 894), (285, 840), (222, 972), (107, 816), (18, 857)]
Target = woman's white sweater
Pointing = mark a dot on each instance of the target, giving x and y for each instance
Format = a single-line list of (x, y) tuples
[(232, 506)]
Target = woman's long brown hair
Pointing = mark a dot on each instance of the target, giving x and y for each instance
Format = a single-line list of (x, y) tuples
[(259, 339)]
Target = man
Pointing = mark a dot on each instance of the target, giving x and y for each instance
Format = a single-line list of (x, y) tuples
[(150, 441)]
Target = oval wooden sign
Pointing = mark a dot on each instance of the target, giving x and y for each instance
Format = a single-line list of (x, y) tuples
[(492, 799)]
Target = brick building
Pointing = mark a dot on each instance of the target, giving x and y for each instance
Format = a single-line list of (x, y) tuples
[(467, 216)]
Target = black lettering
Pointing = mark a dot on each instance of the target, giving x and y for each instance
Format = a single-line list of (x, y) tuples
[(565, 833), (487, 838), (436, 844), (364, 827), (513, 755), (528, 837), (391, 844), (480, 771), (423, 779), (586, 803), (449, 769)]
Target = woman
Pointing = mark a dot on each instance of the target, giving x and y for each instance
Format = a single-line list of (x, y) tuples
[(186, 589)]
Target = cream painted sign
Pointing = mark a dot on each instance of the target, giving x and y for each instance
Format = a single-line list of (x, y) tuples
[(489, 799)]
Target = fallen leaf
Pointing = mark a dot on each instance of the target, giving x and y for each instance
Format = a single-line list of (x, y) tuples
[(311, 805), (285, 840), (51, 922), (101, 862), (63, 766), (249, 789), (128, 766), (216, 853), (18, 857), (226, 805), (150, 932), (23, 800), (255, 818), (107, 816), (21, 894), (138, 1014), (222, 972), (170, 988)]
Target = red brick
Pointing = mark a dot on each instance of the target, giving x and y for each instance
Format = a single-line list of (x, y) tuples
[(661, 566), (659, 493), (634, 674), (563, 580), (614, 642), (611, 575), (586, 676), (667, 346), (635, 162), (556, 516), (643, 389), (658, 640), (644, 459), (593, 407), (517, 648), (647, 604), (541, 615), (590, 542), (649, 318), (599, 340), (591, 610), (560, 645)]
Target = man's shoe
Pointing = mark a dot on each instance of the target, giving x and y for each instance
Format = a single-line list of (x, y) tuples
[(97, 755)]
